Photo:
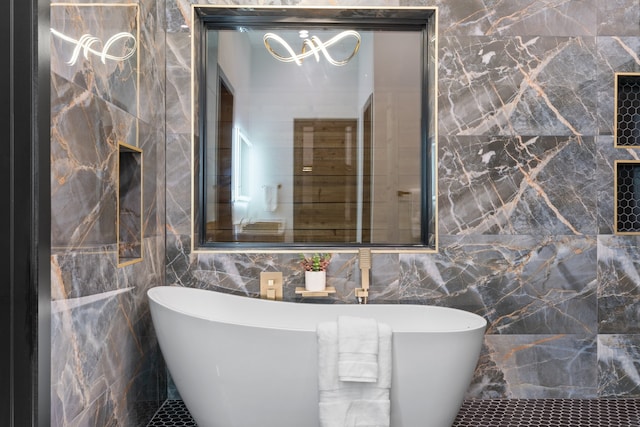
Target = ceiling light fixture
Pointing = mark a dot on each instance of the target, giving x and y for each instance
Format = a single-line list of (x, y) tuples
[(311, 46)]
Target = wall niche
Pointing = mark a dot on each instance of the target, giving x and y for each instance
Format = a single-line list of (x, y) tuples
[(129, 205), (627, 115), (627, 197)]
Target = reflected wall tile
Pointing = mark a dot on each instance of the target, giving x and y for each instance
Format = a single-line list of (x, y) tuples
[(619, 288), (520, 185), (85, 132), (537, 366), (76, 274), (618, 18), (178, 83), (520, 284), (526, 85), (619, 366), (528, 17), (114, 80)]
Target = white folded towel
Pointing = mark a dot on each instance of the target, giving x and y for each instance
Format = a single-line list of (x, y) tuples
[(356, 413), (353, 404), (368, 413), (357, 349)]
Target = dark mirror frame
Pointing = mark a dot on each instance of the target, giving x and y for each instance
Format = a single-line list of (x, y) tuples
[(424, 20)]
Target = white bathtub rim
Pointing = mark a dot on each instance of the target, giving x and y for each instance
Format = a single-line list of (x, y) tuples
[(157, 294)]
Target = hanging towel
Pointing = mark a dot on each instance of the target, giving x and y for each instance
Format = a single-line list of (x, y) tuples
[(352, 404), (357, 349)]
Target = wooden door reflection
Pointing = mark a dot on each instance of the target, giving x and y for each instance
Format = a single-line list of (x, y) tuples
[(325, 193)]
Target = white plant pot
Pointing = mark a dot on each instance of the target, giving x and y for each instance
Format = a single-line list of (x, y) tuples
[(315, 280)]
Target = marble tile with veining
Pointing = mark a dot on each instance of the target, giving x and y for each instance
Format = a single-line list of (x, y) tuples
[(619, 366), (178, 87), (540, 366), (618, 18), (619, 288), (516, 86), (114, 80), (521, 185), (529, 17), (520, 284), (178, 184)]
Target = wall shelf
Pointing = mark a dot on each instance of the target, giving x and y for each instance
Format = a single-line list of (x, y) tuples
[(130, 209), (626, 128), (303, 292)]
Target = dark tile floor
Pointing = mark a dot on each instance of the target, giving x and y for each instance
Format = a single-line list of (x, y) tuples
[(493, 413)]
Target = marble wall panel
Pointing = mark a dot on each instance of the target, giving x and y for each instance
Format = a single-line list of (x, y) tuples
[(618, 18), (517, 18), (537, 366), (619, 284), (84, 142), (520, 284), (113, 80), (106, 368), (178, 184), (152, 61), (178, 90), (517, 185), (619, 366), (519, 85), (152, 143), (525, 195)]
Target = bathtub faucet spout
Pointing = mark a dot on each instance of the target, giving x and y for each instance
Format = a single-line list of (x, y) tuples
[(364, 258)]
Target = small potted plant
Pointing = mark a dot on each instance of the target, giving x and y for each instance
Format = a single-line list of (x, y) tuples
[(315, 271)]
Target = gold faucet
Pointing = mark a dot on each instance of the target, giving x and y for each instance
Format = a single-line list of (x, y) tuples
[(362, 293)]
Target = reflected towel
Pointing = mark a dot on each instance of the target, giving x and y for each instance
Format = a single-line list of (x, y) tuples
[(270, 193), (361, 404), (357, 349)]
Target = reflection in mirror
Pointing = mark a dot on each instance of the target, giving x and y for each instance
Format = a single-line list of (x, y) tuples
[(241, 177), (315, 129)]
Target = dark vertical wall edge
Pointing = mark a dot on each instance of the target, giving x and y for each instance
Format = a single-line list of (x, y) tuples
[(25, 215), (5, 285), (42, 199)]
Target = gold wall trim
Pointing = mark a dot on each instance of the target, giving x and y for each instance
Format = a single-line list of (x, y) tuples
[(124, 261)]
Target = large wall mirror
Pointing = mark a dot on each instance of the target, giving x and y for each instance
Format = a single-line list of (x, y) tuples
[(316, 127)]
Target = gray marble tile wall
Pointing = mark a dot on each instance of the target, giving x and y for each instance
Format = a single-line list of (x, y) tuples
[(525, 195), (106, 369)]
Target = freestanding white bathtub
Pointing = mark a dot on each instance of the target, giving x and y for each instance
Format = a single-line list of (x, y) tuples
[(246, 362)]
